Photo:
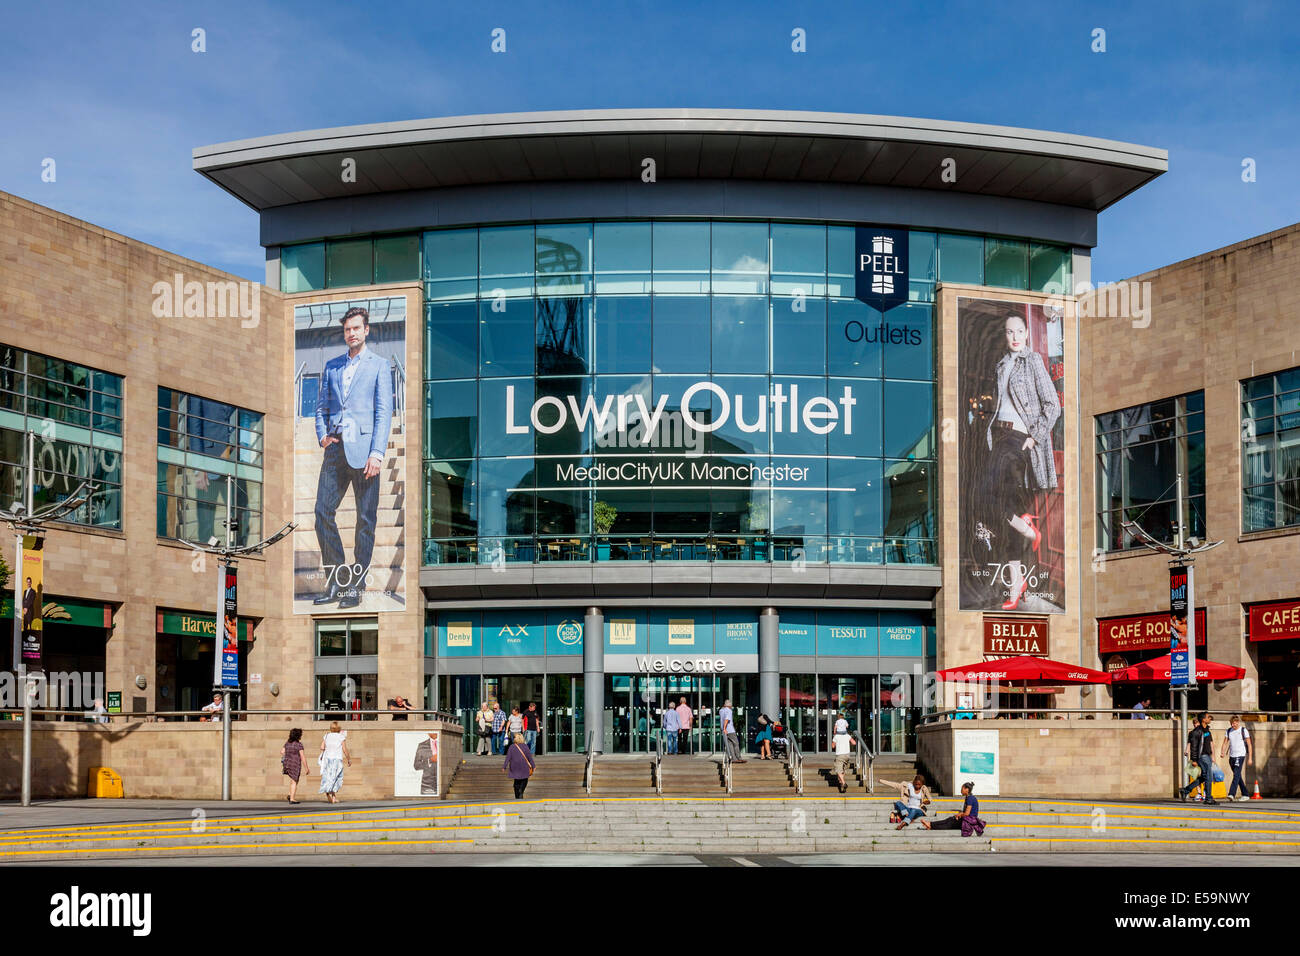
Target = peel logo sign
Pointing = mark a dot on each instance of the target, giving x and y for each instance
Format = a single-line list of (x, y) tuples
[(881, 261)]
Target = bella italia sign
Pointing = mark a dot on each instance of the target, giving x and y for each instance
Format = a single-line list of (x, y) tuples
[(1014, 637)]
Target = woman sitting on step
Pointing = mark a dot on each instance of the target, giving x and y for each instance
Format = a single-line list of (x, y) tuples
[(967, 821)]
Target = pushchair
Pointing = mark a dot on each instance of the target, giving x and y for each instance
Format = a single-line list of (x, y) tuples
[(780, 745)]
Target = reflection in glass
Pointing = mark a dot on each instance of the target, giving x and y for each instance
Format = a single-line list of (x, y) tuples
[(739, 334)]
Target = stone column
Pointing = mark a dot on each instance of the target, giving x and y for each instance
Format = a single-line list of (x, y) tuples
[(593, 676), (769, 662)]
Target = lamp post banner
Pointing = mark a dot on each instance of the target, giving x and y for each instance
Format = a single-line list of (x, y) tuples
[(228, 658), (1180, 585), (33, 585)]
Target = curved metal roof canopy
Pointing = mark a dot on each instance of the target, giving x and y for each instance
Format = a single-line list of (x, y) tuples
[(781, 146)]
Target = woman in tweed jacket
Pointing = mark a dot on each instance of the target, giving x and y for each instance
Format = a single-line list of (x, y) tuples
[(1021, 462)]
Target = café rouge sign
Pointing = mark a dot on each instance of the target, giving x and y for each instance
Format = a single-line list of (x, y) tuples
[(1016, 636)]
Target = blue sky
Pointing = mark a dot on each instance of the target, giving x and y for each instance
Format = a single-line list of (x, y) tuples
[(115, 95)]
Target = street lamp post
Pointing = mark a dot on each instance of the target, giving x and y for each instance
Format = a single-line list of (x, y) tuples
[(226, 554), (24, 519), (1180, 555)]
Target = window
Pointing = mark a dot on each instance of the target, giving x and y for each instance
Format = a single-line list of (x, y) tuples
[(1140, 452), (310, 266), (1270, 451), (346, 665), (75, 414), (209, 459)]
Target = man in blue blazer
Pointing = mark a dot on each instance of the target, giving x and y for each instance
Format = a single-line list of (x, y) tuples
[(353, 418)]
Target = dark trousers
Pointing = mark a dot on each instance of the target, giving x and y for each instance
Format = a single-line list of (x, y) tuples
[(336, 477), (520, 786), (1237, 764), (947, 823), (1206, 763), (683, 741)]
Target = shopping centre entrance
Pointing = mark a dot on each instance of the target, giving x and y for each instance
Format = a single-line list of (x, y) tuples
[(635, 704)]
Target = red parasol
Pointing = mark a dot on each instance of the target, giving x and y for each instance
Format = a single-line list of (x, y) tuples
[(1026, 671), (1157, 672)]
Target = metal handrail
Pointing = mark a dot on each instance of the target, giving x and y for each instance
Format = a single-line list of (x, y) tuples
[(400, 393), (1123, 713), (726, 769), (590, 769), (297, 390), (794, 759), (659, 761), (343, 716), (868, 779)]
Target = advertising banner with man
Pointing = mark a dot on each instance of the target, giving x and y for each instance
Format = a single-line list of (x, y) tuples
[(415, 763), (349, 455), (33, 602), (1010, 383), (226, 666)]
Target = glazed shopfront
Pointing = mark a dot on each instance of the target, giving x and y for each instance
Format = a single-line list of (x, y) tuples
[(866, 665)]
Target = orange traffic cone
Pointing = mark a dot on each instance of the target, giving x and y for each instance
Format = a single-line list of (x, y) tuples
[(1255, 795)]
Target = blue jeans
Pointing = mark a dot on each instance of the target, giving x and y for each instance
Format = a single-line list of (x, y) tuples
[(670, 741), (1237, 764), (1206, 763), (498, 741), (908, 813), (530, 738), (336, 476)]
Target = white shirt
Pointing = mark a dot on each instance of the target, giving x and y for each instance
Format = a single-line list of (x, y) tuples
[(350, 370), (841, 726), (1237, 741), (334, 746), (913, 797), (841, 742)]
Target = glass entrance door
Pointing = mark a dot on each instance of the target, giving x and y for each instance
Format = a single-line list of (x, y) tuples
[(562, 725), (849, 697)]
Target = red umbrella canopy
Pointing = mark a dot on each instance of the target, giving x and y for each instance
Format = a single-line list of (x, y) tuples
[(1157, 672), (1030, 671)]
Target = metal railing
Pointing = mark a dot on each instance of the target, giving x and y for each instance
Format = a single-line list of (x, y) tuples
[(726, 769), (1120, 713), (865, 764), (590, 769), (297, 390), (794, 762), (317, 714), (399, 396), (659, 762)]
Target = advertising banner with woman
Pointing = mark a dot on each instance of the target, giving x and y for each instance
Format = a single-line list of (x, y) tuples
[(1010, 381)]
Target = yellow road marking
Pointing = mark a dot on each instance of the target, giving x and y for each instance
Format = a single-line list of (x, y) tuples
[(1104, 840), (229, 846), (180, 827), (101, 839)]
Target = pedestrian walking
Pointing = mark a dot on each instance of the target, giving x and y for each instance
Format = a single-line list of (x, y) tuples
[(842, 745), (915, 798), (1140, 709), (514, 723), (1200, 748), (291, 763), (684, 717), (499, 718), (532, 726), (764, 737), (672, 729), (729, 733), (483, 720), (1239, 750), (967, 821), (519, 764), (333, 751)]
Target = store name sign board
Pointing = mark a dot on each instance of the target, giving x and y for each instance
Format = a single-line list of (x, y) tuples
[(1021, 636), (681, 665), (1275, 622)]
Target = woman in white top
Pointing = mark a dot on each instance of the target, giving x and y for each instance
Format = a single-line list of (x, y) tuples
[(484, 721), (1239, 750), (333, 751), (916, 796)]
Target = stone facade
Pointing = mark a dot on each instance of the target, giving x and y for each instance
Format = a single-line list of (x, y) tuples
[(1214, 320), (74, 291)]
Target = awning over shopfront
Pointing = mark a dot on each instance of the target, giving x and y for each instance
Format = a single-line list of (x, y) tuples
[(1025, 671), (1157, 672)]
